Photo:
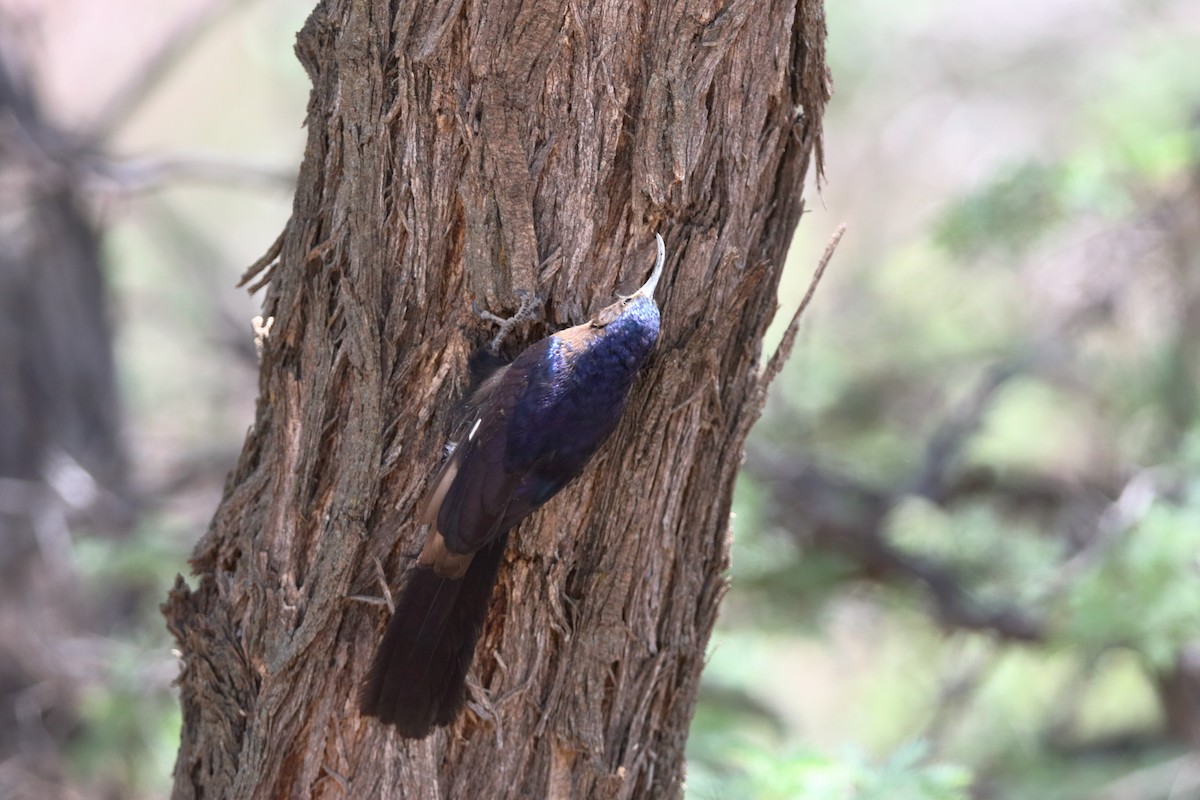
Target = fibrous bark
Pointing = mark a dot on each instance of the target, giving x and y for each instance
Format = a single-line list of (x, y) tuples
[(466, 152)]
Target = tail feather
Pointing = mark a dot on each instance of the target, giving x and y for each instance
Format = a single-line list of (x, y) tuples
[(417, 680)]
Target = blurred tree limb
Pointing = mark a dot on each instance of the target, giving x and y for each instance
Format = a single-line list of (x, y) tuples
[(62, 455)]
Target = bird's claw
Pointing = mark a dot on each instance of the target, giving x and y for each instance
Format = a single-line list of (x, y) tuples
[(530, 308)]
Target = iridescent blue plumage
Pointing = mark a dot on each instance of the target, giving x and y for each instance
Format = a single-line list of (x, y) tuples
[(531, 428), (577, 387)]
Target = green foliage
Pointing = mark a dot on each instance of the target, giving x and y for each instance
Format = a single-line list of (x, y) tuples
[(780, 586), (131, 723), (1007, 215), (129, 716), (1065, 252), (1143, 591), (1143, 127), (1004, 560), (1063, 419), (802, 774)]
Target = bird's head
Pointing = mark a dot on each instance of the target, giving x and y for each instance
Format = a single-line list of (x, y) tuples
[(636, 316)]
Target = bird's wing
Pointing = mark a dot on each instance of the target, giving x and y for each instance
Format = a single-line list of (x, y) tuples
[(510, 460), (473, 496)]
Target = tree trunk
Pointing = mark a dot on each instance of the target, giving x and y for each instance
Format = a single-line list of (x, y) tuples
[(459, 152)]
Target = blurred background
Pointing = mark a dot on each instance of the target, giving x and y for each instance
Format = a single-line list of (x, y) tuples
[(967, 538)]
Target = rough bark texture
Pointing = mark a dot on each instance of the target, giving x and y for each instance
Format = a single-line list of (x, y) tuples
[(459, 152)]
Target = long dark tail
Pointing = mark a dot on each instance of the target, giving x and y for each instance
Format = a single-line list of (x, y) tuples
[(417, 680)]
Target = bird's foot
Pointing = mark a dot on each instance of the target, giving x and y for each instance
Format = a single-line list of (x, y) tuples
[(530, 308)]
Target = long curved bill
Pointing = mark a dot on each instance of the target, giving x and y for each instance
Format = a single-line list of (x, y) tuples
[(651, 284)]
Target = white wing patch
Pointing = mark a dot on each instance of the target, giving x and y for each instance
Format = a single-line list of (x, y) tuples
[(474, 428)]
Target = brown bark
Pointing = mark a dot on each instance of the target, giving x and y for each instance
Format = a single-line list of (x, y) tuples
[(466, 151)]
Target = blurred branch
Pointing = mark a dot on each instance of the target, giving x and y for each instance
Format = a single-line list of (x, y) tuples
[(1133, 502), (1177, 778), (955, 695), (225, 325), (1035, 494), (780, 357), (836, 512), (949, 439), (736, 701), (196, 472), (1179, 690), (846, 515), (157, 66), (148, 174)]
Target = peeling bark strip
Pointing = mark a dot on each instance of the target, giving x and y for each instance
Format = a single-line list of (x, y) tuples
[(464, 151)]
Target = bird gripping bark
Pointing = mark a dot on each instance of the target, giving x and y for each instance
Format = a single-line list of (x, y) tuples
[(529, 429)]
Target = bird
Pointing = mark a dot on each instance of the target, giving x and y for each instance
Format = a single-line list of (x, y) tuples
[(526, 431)]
